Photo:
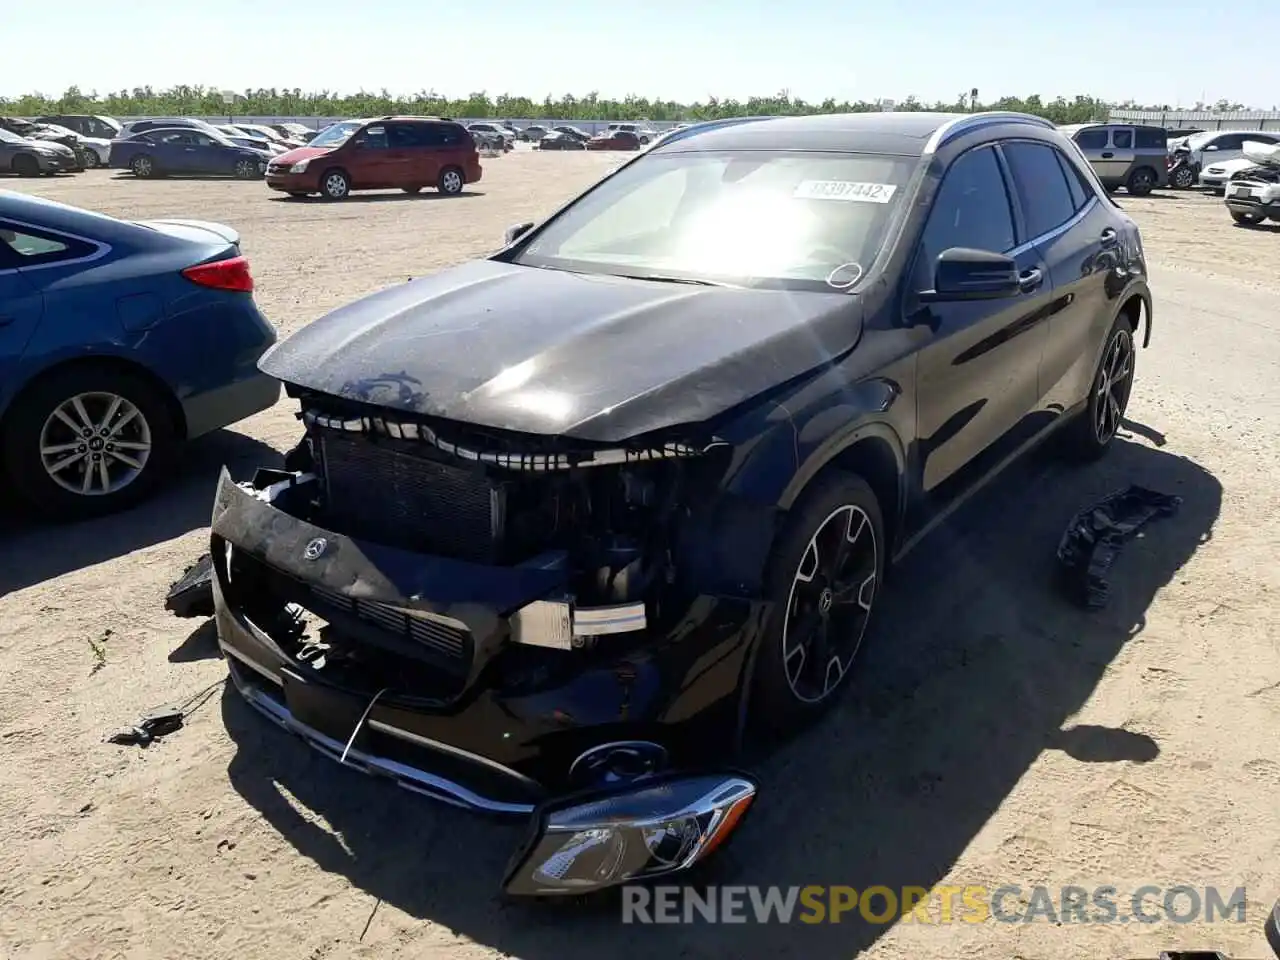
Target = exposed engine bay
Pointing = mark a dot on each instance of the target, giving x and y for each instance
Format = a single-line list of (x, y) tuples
[(581, 541)]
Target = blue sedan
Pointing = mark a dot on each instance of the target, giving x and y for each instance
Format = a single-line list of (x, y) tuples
[(118, 341), (186, 150)]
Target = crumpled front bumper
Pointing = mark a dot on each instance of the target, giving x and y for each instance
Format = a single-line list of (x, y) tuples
[(511, 736)]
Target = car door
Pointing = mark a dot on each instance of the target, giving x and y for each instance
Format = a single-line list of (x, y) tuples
[(21, 304), (1071, 229), (172, 151), (1119, 154), (1093, 143), (367, 162), (210, 155), (978, 375), (408, 158)]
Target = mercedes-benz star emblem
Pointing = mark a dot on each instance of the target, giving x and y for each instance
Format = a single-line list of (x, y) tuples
[(825, 600), (315, 549)]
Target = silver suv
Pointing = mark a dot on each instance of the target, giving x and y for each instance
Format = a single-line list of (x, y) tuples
[(1124, 155)]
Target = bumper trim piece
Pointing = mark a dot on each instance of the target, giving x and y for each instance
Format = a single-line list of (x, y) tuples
[(410, 778)]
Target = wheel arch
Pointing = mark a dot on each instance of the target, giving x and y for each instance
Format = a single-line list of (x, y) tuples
[(1135, 306), (101, 362)]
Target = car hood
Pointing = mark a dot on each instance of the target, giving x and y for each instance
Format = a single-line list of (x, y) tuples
[(549, 352), (298, 154)]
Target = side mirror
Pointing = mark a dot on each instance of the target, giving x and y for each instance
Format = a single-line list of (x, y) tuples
[(1212, 146), (514, 233), (964, 274)]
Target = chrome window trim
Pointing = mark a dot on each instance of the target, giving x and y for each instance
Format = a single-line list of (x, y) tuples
[(101, 249)]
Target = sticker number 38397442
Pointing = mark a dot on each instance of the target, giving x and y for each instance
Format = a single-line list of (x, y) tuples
[(844, 190)]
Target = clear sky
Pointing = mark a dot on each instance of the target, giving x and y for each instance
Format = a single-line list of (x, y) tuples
[(1174, 51)]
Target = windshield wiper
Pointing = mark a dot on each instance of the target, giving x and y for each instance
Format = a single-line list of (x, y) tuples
[(662, 278)]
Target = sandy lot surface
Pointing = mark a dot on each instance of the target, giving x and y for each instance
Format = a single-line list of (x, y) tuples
[(994, 735)]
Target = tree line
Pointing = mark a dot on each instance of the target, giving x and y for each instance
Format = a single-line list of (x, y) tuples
[(207, 101)]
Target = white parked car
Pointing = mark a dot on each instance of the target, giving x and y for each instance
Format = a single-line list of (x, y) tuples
[(1215, 176), (1253, 195), (1218, 146)]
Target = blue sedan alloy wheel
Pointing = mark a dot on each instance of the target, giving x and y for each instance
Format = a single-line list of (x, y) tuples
[(95, 444), (247, 169), (88, 440)]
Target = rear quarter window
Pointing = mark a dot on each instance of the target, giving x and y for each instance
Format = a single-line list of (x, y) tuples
[(1151, 138)]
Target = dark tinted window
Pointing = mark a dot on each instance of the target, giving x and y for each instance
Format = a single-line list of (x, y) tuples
[(1122, 138), (402, 135), (971, 209), (373, 137), (451, 134), (1041, 185), (1079, 193), (1150, 138), (1092, 139), (1230, 141)]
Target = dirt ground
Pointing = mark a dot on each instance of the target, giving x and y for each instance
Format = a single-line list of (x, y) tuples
[(994, 734)]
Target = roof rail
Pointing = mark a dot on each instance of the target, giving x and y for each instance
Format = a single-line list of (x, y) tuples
[(696, 128), (975, 121)]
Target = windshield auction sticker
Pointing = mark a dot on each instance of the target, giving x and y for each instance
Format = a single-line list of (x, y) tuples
[(844, 190)]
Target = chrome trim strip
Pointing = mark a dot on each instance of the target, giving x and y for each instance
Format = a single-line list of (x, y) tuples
[(252, 664), (401, 734), (958, 124), (411, 778), (538, 462), (618, 618), (102, 249)]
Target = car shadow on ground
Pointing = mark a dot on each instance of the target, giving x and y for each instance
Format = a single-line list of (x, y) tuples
[(32, 551), (398, 196), (974, 666)]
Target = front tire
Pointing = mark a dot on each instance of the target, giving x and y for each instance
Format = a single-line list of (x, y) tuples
[(451, 181), (1184, 178), (1247, 219), (1109, 391), (335, 185), (88, 441), (91, 160), (25, 165), (247, 170), (143, 167), (824, 575)]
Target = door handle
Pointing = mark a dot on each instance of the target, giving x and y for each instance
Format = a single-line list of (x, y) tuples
[(1109, 238), (1108, 155), (1030, 280)]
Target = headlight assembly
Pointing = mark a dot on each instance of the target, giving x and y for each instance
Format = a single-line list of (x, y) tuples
[(648, 829), (299, 167)]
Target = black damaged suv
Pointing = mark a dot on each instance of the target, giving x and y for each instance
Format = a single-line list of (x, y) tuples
[(566, 518)]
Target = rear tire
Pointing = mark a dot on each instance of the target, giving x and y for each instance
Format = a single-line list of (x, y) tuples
[(25, 165), (451, 181), (247, 170), (91, 160), (1090, 436), (815, 630), (335, 185), (1184, 178), (119, 418), (1141, 182)]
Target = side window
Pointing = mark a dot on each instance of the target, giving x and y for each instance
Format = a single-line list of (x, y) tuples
[(403, 135), (1122, 138), (25, 248), (1150, 138), (451, 135), (971, 209), (1042, 187), (372, 137), (1079, 193), (1092, 139), (202, 140), (1231, 141)]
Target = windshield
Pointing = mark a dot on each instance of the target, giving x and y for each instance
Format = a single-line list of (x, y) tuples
[(335, 135), (794, 220), (1196, 141)]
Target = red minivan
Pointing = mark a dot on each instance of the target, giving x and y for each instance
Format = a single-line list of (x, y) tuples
[(407, 153)]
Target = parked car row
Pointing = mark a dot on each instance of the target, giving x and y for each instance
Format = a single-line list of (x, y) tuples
[(31, 148)]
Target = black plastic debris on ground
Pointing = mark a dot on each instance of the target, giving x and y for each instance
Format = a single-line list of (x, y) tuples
[(1093, 539), (192, 594), (149, 728)]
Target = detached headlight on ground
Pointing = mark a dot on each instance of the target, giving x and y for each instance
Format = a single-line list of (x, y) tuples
[(299, 167), (651, 828)]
